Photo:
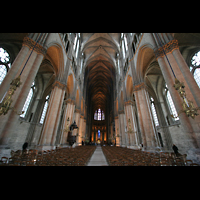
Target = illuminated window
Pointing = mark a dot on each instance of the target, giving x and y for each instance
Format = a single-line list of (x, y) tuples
[(95, 115), (195, 67), (77, 49), (171, 104), (99, 134), (154, 112), (103, 116), (75, 40), (4, 63), (44, 110), (28, 100), (99, 114)]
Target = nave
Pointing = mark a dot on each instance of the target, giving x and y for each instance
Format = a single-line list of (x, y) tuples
[(94, 156)]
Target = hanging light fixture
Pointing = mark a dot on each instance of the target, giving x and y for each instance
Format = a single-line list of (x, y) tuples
[(188, 106), (5, 105)]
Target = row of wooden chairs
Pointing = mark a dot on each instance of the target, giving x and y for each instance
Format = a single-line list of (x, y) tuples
[(78, 156), (119, 156)]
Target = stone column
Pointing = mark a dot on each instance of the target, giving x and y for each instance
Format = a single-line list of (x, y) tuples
[(147, 127), (68, 113), (81, 128), (130, 115), (49, 130), (192, 85), (190, 126), (77, 119), (9, 121), (122, 121), (117, 134)]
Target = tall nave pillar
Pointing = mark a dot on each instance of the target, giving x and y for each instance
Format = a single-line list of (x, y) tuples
[(67, 119), (191, 127), (130, 114), (122, 128), (8, 122), (50, 126), (149, 136)]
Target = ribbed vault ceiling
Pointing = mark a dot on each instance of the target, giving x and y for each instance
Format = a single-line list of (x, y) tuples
[(100, 57)]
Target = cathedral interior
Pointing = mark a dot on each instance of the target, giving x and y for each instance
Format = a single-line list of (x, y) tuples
[(133, 90)]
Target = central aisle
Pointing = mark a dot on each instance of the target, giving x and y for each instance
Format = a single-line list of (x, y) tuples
[(98, 158)]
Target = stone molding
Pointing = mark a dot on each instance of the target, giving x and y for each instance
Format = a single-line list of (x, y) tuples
[(77, 110), (130, 102), (31, 43), (59, 85), (169, 47), (139, 86), (70, 101), (121, 112)]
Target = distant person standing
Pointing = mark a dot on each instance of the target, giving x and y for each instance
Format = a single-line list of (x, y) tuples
[(175, 148), (25, 145)]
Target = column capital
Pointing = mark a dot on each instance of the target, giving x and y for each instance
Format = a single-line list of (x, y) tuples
[(121, 112), (59, 85), (69, 101), (31, 43), (139, 86), (129, 102), (169, 47), (77, 110)]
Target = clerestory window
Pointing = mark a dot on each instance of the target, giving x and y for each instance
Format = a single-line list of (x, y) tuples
[(195, 67), (4, 63)]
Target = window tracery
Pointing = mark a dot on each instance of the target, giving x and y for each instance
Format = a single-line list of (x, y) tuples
[(28, 100), (4, 63), (44, 110), (99, 115), (154, 112), (171, 104), (195, 67)]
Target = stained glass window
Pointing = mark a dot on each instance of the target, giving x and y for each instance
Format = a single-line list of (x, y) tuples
[(171, 104), (103, 116), (44, 110), (195, 67), (99, 134), (4, 63), (154, 112), (95, 115), (99, 114), (28, 100)]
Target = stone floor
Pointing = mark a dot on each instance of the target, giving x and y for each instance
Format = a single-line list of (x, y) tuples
[(98, 158)]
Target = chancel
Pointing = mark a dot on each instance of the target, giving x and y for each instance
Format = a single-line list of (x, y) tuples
[(124, 98)]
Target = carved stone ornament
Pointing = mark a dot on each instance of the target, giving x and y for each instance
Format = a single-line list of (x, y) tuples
[(31, 43), (130, 102), (139, 86), (169, 47), (59, 85)]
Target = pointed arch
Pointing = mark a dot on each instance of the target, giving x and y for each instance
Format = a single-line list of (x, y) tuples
[(70, 84), (129, 87), (55, 55), (145, 57)]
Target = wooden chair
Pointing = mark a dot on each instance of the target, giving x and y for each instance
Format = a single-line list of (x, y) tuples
[(188, 162), (194, 164), (4, 160)]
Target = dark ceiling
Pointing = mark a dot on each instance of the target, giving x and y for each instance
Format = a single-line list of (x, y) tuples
[(100, 53)]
